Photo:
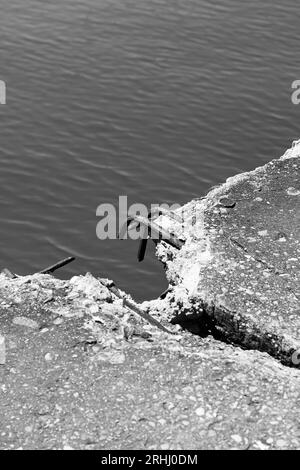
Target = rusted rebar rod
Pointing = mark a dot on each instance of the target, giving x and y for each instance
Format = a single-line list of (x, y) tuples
[(159, 210), (155, 212), (132, 306), (157, 232), (58, 265), (48, 270)]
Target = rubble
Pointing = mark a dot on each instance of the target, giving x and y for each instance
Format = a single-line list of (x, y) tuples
[(84, 368)]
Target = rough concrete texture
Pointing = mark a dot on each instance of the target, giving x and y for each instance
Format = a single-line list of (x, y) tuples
[(78, 370), (239, 270), (81, 373)]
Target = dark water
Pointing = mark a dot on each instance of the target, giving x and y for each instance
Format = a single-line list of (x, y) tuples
[(157, 100)]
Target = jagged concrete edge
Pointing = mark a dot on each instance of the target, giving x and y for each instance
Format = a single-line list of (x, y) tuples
[(209, 200), (293, 152)]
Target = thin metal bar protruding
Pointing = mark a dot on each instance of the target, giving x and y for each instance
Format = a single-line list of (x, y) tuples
[(58, 265), (132, 306), (158, 232), (156, 212)]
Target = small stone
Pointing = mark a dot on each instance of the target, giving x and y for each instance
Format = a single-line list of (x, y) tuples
[(24, 321), (236, 438), (44, 330), (58, 321), (200, 411), (162, 422), (49, 296), (48, 357), (227, 202), (263, 233), (164, 446), (260, 445), (281, 237), (293, 192), (223, 210), (94, 309), (281, 443), (113, 357)]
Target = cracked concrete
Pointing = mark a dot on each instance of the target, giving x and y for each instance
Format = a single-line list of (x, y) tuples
[(240, 265), (78, 370), (81, 373)]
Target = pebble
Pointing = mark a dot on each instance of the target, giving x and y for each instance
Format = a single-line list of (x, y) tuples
[(227, 202), (263, 233), (44, 330), (24, 321), (200, 411), (162, 421), (164, 446), (281, 443), (293, 192), (94, 308), (48, 357), (114, 357), (260, 445), (236, 438)]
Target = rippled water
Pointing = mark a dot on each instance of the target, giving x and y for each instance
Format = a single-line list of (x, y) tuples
[(158, 100)]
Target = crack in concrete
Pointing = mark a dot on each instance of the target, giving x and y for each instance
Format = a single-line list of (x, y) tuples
[(241, 303)]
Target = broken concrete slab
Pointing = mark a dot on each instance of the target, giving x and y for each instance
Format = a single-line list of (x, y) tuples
[(82, 297), (61, 389), (97, 381), (91, 374), (240, 265)]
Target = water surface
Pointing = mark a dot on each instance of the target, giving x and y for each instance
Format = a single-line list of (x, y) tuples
[(158, 100)]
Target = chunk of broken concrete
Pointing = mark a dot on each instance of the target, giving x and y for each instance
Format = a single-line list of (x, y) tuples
[(111, 356), (247, 284), (89, 287)]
